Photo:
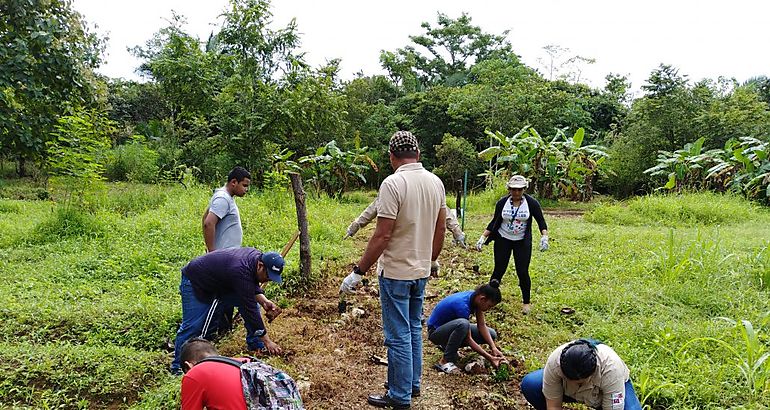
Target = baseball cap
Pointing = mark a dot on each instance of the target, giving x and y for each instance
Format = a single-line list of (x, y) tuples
[(578, 360), (403, 141), (273, 266), (517, 181)]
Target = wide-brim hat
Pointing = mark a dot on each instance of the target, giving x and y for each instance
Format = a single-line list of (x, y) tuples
[(517, 181)]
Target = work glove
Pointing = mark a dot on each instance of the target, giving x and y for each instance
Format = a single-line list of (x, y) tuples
[(460, 240), (480, 242), (543, 243), (350, 283), (349, 232), (434, 268)]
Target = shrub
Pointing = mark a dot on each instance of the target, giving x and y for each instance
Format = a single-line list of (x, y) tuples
[(24, 193), (456, 155), (128, 199), (134, 162), (67, 222)]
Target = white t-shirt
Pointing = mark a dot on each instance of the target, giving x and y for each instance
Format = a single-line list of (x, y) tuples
[(514, 224), (228, 232)]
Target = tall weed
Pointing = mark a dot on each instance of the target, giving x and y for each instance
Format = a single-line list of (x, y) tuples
[(678, 258), (676, 210), (67, 222), (759, 265), (747, 352), (133, 162)]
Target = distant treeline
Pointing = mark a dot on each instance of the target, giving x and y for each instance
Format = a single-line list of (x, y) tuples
[(246, 96)]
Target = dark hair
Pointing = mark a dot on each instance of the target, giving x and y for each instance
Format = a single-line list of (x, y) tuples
[(578, 359), (404, 154), (197, 349), (490, 290), (238, 173)]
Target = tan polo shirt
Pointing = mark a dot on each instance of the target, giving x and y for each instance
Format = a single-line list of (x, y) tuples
[(413, 197), (605, 388)]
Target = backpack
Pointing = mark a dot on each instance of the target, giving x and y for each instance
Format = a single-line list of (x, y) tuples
[(264, 386)]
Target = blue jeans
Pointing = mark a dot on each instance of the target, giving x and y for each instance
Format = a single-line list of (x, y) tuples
[(401, 302), (194, 314), (532, 389)]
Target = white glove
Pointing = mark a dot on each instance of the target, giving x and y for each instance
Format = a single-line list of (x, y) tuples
[(480, 242), (543, 243), (460, 240), (350, 283), (434, 268), (349, 232)]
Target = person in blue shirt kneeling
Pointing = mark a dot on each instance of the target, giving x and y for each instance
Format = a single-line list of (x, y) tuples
[(449, 326)]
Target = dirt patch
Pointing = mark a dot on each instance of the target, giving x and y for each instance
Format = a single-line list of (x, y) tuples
[(331, 355), (564, 213)]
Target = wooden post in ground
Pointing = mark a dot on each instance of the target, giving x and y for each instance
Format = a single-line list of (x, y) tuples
[(304, 233)]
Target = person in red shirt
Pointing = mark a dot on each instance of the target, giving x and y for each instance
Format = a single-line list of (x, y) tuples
[(210, 385)]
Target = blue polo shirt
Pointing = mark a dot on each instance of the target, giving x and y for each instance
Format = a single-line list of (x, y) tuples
[(454, 306)]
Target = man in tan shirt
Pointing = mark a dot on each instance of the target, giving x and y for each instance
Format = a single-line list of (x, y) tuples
[(411, 215), (584, 371)]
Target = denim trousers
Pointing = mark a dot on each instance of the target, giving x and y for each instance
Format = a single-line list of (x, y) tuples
[(453, 335), (532, 389), (194, 315), (401, 302)]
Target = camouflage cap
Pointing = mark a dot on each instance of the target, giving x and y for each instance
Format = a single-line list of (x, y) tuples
[(403, 141)]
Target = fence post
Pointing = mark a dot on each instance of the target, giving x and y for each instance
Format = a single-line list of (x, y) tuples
[(304, 234)]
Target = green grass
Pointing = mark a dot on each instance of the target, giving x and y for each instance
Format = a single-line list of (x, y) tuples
[(691, 209), (90, 299)]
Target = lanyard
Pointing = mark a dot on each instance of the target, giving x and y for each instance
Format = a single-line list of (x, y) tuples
[(516, 211)]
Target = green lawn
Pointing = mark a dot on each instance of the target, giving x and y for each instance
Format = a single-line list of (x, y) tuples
[(90, 300)]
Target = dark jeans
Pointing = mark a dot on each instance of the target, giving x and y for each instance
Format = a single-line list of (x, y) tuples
[(532, 389), (197, 314), (522, 254), (453, 335)]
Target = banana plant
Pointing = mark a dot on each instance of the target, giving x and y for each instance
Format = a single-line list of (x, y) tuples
[(583, 165), (557, 167), (334, 171), (685, 168), (747, 169)]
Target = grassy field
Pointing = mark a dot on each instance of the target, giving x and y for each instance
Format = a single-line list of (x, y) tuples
[(90, 300)]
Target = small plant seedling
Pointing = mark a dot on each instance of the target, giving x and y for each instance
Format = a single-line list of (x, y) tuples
[(502, 373)]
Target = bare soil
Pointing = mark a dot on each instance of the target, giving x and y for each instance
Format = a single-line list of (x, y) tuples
[(330, 356)]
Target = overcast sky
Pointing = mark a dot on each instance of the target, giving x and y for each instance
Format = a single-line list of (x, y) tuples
[(704, 39)]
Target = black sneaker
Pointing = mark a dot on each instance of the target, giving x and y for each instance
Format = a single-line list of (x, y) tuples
[(415, 392), (383, 400)]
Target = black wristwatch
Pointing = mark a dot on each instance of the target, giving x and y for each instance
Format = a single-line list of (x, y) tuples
[(357, 270)]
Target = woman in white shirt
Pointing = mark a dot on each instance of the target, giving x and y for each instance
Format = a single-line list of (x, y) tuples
[(511, 230)]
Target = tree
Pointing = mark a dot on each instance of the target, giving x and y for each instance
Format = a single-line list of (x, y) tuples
[(663, 120), (453, 46), (562, 65), (184, 72), (456, 155), (741, 113), (77, 143), (47, 57), (761, 86)]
